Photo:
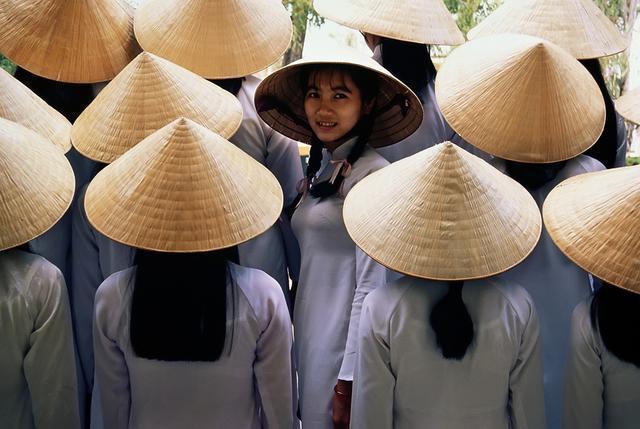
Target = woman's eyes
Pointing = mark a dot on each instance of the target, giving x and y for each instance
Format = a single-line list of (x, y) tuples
[(337, 95)]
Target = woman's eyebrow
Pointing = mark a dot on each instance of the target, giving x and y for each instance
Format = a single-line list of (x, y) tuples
[(341, 88)]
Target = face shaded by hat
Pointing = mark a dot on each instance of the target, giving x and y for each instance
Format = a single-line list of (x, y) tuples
[(92, 41), (520, 98), (217, 39), (396, 111), (144, 97), (594, 219), (183, 189), (443, 214), (37, 184), (418, 21), (578, 26)]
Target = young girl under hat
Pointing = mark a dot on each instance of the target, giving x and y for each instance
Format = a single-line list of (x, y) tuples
[(37, 362), (452, 344), (593, 219), (343, 105), (186, 337)]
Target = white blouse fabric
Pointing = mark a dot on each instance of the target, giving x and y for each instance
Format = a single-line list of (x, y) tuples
[(556, 285), (37, 364), (402, 381), (335, 276), (248, 387), (601, 391), (281, 156)]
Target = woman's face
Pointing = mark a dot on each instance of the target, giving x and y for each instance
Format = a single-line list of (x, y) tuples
[(333, 105)]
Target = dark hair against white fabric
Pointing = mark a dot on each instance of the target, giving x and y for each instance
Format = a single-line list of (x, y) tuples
[(615, 314), (179, 305), (410, 62), (232, 85), (452, 324), (605, 149)]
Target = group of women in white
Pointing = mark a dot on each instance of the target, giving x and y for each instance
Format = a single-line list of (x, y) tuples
[(452, 257)]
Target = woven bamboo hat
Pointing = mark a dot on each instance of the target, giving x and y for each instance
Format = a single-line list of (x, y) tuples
[(520, 98), (19, 104), (80, 41), (36, 184), (594, 219), (628, 105), (183, 189), (148, 94), (578, 26), (419, 21), (279, 99), (215, 38), (443, 214)]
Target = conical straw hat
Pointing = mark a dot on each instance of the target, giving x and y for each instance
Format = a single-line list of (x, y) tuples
[(148, 94), (19, 104), (443, 214), (419, 21), (628, 105), (520, 98), (36, 184), (79, 41), (594, 219), (183, 189), (280, 99), (215, 38), (578, 26)]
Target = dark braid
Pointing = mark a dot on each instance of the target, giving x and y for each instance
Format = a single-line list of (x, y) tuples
[(326, 188), (452, 324)]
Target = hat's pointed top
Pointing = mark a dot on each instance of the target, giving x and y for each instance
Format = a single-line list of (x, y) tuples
[(578, 26), (443, 214), (183, 189), (145, 96)]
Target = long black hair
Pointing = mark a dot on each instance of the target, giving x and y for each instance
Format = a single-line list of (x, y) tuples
[(533, 176), (179, 305), (410, 62), (368, 84), (452, 324), (615, 314), (232, 85), (606, 147)]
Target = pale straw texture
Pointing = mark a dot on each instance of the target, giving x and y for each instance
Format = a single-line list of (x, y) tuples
[(520, 98), (280, 99), (183, 189), (594, 219), (19, 104), (148, 94), (628, 105), (36, 184), (419, 21), (80, 41), (443, 214), (578, 26), (215, 38)]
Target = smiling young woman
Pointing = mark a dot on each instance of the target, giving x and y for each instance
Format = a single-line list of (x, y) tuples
[(343, 105)]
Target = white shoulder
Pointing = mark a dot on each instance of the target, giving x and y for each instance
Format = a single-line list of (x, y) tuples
[(262, 292), (517, 296)]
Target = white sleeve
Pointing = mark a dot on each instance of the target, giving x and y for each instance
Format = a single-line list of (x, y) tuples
[(369, 275), (112, 373), (584, 387), (374, 382), (49, 365), (272, 365), (526, 390), (283, 160)]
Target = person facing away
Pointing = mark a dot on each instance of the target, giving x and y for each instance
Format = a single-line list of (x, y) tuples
[(343, 104), (592, 219), (187, 338), (37, 362)]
